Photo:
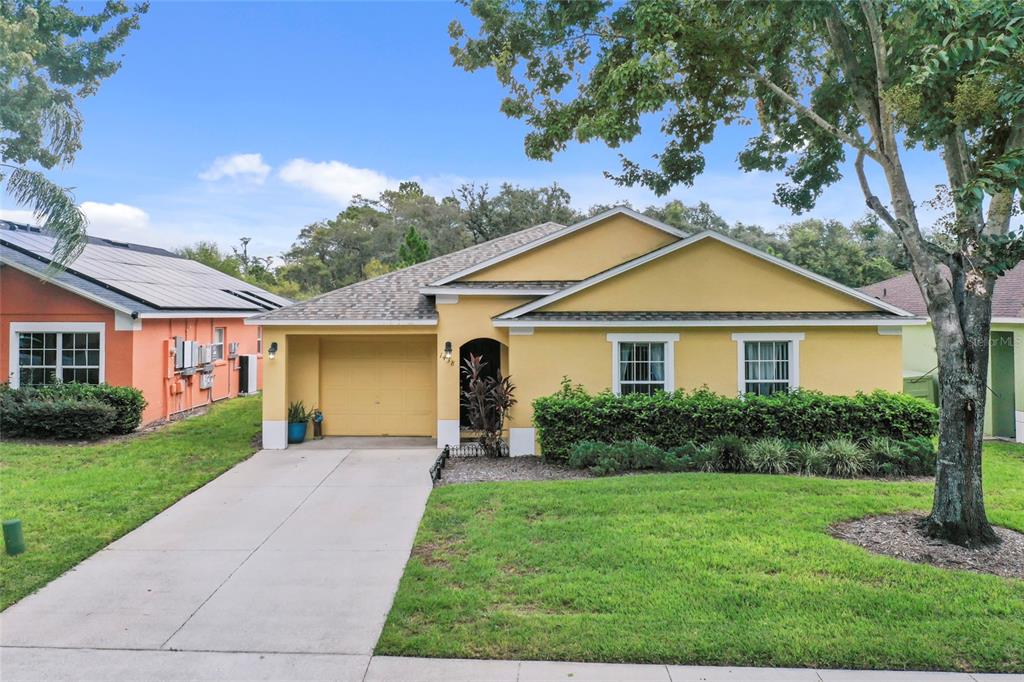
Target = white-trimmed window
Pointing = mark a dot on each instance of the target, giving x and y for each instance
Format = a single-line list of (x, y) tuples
[(48, 353), (219, 334), (643, 363), (767, 363), (259, 340)]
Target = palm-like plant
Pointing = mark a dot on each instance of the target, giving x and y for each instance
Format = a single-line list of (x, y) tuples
[(487, 400)]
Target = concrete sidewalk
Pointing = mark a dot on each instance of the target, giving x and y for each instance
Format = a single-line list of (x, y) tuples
[(95, 664)]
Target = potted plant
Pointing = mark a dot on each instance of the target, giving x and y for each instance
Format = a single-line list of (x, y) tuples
[(298, 420)]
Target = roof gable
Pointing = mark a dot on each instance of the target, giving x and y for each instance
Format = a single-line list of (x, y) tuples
[(707, 272), (576, 251)]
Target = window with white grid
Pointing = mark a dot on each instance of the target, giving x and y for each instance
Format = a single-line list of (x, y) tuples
[(641, 367), (642, 363), (766, 367), (50, 357), (768, 362)]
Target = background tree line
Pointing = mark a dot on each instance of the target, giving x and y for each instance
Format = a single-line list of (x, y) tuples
[(407, 226)]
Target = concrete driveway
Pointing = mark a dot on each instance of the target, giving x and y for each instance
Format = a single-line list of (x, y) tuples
[(290, 552)]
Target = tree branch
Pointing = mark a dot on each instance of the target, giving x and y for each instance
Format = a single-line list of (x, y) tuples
[(888, 140), (849, 139), (864, 99), (1000, 209)]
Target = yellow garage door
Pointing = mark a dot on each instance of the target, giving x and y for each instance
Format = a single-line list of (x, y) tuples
[(378, 386)]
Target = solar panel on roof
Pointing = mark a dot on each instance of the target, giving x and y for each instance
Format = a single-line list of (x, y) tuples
[(162, 281)]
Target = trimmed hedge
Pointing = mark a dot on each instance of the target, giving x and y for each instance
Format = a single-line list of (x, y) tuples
[(69, 411), (667, 420)]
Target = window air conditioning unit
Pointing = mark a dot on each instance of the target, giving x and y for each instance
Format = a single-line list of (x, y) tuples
[(247, 374)]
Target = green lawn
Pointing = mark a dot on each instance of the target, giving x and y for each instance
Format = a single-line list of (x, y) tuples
[(74, 500), (701, 569)]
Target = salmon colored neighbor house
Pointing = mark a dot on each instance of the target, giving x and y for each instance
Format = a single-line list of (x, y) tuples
[(127, 315), (617, 302)]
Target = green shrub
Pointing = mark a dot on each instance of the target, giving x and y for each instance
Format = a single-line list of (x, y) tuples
[(70, 411), (770, 456), (667, 419), (919, 456), (729, 453), (127, 401), (686, 457), (844, 458), (58, 419), (611, 458)]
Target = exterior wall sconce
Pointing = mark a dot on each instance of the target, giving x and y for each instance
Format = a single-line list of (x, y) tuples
[(446, 354), (272, 351)]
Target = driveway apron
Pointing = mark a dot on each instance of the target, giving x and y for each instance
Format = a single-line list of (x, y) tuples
[(295, 551)]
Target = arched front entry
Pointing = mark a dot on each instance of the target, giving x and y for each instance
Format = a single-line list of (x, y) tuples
[(490, 351)]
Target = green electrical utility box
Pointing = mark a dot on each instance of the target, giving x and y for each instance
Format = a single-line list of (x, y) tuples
[(921, 386)]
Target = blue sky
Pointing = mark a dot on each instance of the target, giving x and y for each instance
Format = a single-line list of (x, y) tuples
[(255, 119)]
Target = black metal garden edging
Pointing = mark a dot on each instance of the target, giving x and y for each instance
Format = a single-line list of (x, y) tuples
[(435, 469)]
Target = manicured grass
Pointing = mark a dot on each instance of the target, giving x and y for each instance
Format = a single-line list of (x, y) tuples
[(74, 500), (701, 569)]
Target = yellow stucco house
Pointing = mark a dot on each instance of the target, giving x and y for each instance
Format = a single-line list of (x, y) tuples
[(618, 301)]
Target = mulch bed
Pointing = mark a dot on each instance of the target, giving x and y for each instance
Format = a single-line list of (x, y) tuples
[(902, 537), (489, 469)]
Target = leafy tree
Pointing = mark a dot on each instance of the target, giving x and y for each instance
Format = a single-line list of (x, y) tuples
[(414, 249), (256, 270), (375, 267), (511, 209), (822, 80), (50, 58), (333, 253), (209, 254)]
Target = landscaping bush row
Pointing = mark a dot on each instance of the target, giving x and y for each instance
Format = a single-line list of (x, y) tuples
[(666, 420), (69, 411), (839, 457)]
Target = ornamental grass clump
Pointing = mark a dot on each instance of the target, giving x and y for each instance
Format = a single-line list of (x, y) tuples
[(808, 459), (770, 456), (843, 458), (730, 454)]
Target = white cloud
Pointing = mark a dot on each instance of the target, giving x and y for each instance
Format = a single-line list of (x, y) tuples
[(18, 215), (336, 180), (248, 167), (117, 221)]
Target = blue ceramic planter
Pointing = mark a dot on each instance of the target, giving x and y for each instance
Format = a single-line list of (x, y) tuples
[(296, 432)]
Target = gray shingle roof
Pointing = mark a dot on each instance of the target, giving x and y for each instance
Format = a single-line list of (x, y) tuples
[(134, 278), (395, 296), (903, 291), (662, 316)]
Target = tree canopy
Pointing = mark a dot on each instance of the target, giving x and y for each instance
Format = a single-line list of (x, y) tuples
[(51, 57)]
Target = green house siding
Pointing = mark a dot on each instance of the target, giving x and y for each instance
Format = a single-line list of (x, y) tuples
[(919, 358)]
